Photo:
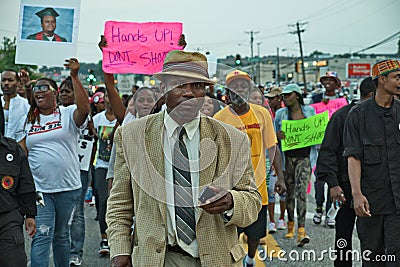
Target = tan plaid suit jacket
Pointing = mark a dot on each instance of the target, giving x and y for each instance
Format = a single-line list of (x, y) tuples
[(139, 189)]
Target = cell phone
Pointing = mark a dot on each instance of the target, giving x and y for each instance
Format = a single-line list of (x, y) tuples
[(206, 194)]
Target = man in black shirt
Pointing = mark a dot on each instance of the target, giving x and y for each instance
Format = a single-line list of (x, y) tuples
[(372, 146), (332, 169), (17, 199)]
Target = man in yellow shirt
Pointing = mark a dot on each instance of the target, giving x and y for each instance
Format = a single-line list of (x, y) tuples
[(257, 123)]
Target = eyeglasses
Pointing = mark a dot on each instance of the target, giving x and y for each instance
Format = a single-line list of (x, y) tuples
[(42, 88)]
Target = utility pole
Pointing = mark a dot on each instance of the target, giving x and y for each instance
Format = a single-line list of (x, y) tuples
[(278, 73), (258, 64), (298, 32), (251, 48)]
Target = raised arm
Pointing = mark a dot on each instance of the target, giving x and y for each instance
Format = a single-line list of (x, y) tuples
[(81, 98), (115, 101)]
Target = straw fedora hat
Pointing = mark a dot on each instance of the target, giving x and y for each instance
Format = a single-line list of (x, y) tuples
[(185, 64)]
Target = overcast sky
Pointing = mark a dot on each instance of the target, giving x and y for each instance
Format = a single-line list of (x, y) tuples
[(220, 26)]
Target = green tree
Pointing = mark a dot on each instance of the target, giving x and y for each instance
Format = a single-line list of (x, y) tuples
[(7, 58)]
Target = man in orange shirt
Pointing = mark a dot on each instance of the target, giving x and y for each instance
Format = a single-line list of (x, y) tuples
[(257, 123)]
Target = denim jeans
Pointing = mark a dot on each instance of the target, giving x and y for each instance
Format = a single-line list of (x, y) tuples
[(102, 196), (78, 219), (52, 229)]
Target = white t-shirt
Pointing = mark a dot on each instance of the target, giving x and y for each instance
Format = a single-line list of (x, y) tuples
[(52, 151), (104, 129)]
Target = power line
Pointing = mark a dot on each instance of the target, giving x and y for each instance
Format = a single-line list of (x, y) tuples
[(388, 39)]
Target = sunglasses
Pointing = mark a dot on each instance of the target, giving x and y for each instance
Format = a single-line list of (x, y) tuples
[(42, 88)]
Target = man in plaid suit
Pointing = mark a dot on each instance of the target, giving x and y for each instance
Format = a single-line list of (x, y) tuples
[(145, 183)]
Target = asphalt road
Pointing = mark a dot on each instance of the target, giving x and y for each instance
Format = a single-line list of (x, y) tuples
[(316, 253)]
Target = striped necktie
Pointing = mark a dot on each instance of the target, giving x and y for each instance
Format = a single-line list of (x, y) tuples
[(184, 209)]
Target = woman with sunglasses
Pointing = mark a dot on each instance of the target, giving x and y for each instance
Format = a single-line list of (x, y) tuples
[(51, 144)]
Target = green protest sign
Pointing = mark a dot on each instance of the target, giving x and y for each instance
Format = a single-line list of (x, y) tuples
[(303, 133)]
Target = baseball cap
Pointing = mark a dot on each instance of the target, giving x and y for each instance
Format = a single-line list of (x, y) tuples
[(274, 91), (97, 98)]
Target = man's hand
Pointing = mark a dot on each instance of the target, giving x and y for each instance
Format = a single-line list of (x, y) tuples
[(280, 135), (103, 42), (73, 65), (182, 41), (280, 186), (110, 182), (325, 100), (121, 261), (337, 194), (219, 203), (25, 79), (30, 227), (361, 206)]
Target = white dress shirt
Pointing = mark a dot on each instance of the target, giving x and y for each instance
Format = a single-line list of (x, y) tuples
[(192, 142)]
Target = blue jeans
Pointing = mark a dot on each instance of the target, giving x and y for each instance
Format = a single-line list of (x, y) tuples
[(52, 229), (78, 219)]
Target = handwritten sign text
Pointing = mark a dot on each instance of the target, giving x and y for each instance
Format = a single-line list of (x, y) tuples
[(139, 48), (303, 133)]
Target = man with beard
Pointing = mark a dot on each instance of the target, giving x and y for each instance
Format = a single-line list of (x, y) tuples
[(15, 107), (163, 162), (256, 122)]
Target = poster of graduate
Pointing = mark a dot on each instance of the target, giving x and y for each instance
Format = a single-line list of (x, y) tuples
[(47, 32)]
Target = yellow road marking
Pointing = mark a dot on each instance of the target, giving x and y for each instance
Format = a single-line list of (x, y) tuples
[(270, 244)]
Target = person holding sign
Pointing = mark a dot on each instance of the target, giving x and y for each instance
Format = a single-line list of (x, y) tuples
[(332, 84), (298, 162), (163, 163), (51, 142), (371, 141), (256, 122), (48, 22)]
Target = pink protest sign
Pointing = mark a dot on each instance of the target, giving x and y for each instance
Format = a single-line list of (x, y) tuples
[(331, 107), (139, 48)]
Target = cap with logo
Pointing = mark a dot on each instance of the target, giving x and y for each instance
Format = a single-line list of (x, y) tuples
[(97, 98), (333, 75)]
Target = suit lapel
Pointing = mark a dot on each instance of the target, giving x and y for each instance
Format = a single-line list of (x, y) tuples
[(208, 152), (208, 155), (154, 144)]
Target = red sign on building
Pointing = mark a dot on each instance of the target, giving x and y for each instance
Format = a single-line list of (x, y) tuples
[(358, 70)]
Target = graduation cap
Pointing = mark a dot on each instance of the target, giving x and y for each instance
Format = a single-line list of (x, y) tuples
[(48, 11)]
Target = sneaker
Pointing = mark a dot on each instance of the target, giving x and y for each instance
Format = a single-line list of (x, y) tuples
[(329, 222), (271, 228), (246, 264), (317, 216), (281, 224), (75, 261), (104, 248)]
